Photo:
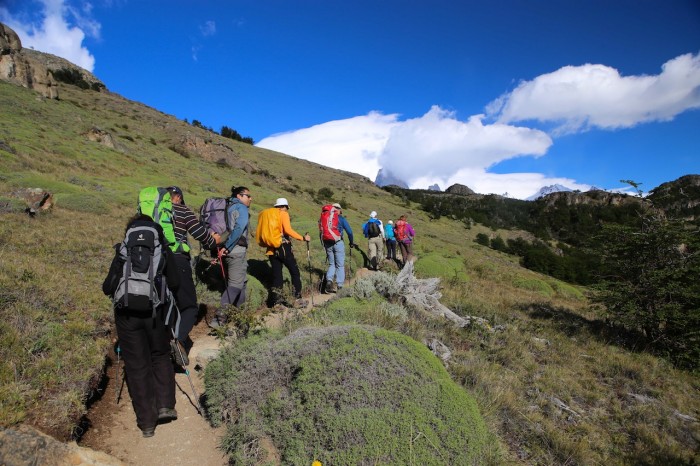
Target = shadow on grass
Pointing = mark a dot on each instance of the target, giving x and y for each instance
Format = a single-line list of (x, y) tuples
[(576, 325)]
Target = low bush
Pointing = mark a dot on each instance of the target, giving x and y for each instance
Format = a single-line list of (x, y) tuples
[(344, 395)]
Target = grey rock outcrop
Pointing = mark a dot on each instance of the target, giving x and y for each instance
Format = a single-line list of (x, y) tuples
[(18, 68), (459, 189)]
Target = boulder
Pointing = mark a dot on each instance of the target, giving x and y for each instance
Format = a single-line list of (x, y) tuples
[(26, 445)]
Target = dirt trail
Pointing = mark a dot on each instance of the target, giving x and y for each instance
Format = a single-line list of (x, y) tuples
[(190, 440)]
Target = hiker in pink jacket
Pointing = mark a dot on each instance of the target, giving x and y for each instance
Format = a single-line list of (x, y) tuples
[(404, 233)]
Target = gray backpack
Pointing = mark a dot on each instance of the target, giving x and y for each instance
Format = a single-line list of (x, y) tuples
[(142, 287), (143, 256)]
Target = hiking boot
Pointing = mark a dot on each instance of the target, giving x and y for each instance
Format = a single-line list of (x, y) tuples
[(178, 353), (331, 287), (148, 432), (166, 414), (217, 321), (300, 303)]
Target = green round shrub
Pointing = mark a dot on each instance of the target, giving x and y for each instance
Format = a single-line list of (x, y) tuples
[(344, 395)]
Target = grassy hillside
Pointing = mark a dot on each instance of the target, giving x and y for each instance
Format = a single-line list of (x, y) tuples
[(548, 378)]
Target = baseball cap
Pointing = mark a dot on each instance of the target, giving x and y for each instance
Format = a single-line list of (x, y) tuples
[(391, 222), (176, 190), (281, 201), (337, 206), (373, 214)]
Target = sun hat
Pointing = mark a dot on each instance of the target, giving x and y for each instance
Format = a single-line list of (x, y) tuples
[(337, 206), (176, 190), (373, 214), (281, 202)]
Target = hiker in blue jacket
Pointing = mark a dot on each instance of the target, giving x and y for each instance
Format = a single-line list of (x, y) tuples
[(335, 252), (390, 241), (373, 230), (235, 250)]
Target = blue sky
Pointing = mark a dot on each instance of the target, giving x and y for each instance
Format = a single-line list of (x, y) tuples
[(503, 96)]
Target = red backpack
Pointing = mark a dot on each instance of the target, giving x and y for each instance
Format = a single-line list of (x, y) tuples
[(400, 231), (328, 224)]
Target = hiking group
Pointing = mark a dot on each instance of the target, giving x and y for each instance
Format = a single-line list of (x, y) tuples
[(152, 288)]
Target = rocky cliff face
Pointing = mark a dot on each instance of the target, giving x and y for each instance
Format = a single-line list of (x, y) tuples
[(593, 197), (19, 68)]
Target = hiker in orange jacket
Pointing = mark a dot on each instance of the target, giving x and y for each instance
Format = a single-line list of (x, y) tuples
[(283, 256)]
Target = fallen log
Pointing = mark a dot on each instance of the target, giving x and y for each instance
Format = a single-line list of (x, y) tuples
[(423, 294)]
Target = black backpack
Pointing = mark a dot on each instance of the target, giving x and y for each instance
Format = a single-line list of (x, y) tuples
[(373, 229)]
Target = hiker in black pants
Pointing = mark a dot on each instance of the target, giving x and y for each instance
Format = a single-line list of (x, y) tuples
[(144, 341), (186, 295), (284, 257)]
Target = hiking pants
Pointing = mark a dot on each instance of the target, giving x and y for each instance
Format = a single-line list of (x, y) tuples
[(335, 252), (376, 250), (283, 256), (145, 346), (391, 249), (186, 299), (236, 277), (406, 251)]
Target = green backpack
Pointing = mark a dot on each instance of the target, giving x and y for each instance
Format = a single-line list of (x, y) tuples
[(156, 203)]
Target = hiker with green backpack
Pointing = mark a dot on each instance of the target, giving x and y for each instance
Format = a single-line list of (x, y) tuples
[(184, 222), (139, 281)]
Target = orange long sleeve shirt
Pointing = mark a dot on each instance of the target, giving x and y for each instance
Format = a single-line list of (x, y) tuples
[(287, 230)]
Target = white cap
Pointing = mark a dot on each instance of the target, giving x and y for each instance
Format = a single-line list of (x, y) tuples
[(337, 206), (373, 214), (390, 222), (281, 202)]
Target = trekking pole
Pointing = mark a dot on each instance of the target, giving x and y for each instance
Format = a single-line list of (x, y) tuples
[(311, 278), (178, 348), (117, 387)]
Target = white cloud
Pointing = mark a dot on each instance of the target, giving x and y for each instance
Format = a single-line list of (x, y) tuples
[(208, 28), (438, 145), (353, 144), (580, 97), (54, 34), (435, 148)]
